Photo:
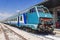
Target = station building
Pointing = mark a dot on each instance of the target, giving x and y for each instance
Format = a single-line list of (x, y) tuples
[(54, 8)]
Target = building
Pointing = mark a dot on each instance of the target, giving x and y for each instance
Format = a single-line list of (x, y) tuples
[(54, 7)]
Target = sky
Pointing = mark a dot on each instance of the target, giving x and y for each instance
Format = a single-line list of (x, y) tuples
[(10, 7)]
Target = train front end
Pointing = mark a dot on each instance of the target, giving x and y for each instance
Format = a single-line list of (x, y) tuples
[(45, 20), (45, 24)]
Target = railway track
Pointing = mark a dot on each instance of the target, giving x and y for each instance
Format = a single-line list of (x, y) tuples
[(6, 36), (40, 37), (1, 34), (43, 37), (57, 31), (10, 34), (53, 37)]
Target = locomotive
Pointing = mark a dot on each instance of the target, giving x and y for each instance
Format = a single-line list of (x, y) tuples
[(36, 18)]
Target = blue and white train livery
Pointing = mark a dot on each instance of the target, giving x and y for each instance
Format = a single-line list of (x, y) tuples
[(36, 18)]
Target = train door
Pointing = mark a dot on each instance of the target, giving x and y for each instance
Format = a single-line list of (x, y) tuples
[(21, 19)]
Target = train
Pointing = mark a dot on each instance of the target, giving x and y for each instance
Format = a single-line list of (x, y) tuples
[(35, 18)]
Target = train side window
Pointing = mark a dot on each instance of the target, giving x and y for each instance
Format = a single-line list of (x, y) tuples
[(32, 10), (15, 19)]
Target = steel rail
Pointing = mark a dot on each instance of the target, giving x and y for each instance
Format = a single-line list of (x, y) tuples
[(6, 36), (16, 33)]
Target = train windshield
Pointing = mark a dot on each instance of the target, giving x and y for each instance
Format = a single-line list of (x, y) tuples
[(46, 10), (42, 9)]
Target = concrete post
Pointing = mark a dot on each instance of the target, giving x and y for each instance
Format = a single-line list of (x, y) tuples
[(54, 16)]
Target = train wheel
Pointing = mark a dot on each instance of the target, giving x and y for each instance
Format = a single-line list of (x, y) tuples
[(24, 28), (28, 29), (33, 31), (53, 33)]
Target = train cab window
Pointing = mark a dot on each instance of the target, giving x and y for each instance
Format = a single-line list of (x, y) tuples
[(32, 10), (45, 10), (39, 9), (42, 9)]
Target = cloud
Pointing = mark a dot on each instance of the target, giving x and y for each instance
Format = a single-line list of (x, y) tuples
[(5, 15)]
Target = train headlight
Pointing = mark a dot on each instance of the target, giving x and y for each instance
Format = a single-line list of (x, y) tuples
[(52, 26)]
